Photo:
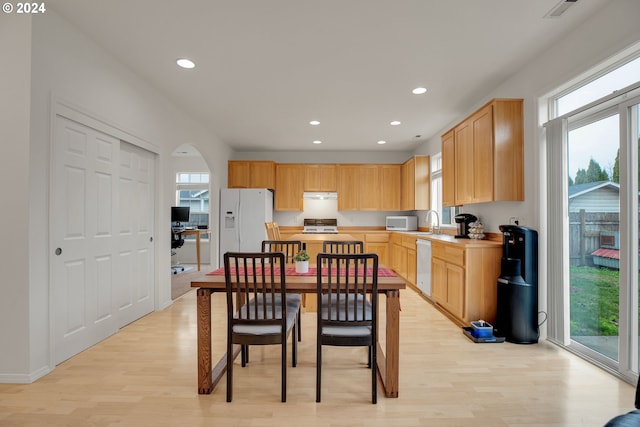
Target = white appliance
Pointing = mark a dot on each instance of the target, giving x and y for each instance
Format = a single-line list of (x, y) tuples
[(423, 272), (243, 212), (402, 223), (328, 225)]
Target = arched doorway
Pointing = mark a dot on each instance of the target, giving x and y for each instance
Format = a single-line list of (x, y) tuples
[(192, 188)]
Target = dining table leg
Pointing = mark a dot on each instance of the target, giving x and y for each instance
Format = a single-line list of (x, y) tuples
[(389, 360), (208, 375), (203, 305)]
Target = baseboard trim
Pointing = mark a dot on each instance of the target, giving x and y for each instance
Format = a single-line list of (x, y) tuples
[(25, 378)]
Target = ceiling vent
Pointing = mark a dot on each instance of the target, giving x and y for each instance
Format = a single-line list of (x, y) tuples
[(560, 8)]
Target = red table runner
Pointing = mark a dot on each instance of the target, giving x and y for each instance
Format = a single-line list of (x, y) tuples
[(291, 271)]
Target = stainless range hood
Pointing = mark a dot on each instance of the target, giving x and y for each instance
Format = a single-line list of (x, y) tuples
[(319, 195)]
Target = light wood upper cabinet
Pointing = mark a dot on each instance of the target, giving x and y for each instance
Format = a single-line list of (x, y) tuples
[(348, 187), (390, 187), (369, 191), (464, 163), (289, 185), (320, 178), (482, 157), (448, 170), (416, 184), (369, 187), (360, 187), (251, 174), (482, 123)]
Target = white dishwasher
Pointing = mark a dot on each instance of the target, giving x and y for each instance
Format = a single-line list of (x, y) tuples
[(423, 269)]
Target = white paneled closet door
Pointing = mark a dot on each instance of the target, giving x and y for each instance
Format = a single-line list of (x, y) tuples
[(101, 273), (133, 288)]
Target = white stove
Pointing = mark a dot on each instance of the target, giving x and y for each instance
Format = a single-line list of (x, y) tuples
[(320, 226)]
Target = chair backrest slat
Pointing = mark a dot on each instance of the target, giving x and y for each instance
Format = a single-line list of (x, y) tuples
[(253, 282), (343, 246), (351, 288), (288, 247)]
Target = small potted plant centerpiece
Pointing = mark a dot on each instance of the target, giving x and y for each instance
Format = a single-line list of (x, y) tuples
[(302, 261)]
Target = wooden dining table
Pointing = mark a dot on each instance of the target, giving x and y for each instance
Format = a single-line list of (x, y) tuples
[(389, 285)]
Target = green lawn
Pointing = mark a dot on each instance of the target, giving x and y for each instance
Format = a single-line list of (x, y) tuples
[(594, 301)]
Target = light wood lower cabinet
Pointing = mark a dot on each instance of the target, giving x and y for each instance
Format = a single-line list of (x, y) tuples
[(448, 286), (378, 243), (464, 280), (404, 256)]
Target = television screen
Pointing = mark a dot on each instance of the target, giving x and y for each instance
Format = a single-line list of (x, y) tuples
[(179, 214)]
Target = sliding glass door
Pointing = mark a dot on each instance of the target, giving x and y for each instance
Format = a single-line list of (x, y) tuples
[(593, 144), (600, 234)]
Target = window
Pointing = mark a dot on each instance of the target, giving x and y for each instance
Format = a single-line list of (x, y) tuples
[(592, 152), (603, 85), (192, 190), (446, 213)]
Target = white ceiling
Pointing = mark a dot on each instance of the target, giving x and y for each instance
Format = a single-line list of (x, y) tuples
[(265, 68)]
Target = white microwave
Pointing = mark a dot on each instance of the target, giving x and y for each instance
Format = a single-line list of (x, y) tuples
[(402, 223)]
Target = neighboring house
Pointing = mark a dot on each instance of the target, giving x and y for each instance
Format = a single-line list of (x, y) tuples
[(599, 196)]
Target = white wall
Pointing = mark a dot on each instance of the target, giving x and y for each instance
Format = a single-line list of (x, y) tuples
[(51, 59), (15, 77)]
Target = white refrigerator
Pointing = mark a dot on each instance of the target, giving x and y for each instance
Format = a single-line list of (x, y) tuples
[(243, 212)]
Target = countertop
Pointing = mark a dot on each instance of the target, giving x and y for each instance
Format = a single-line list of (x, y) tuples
[(446, 238), (321, 237)]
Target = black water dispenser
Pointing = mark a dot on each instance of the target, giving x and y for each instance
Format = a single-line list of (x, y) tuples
[(517, 308)]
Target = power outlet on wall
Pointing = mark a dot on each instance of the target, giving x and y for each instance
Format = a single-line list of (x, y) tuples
[(514, 220)]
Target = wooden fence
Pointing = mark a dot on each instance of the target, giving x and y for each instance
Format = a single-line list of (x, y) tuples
[(584, 234)]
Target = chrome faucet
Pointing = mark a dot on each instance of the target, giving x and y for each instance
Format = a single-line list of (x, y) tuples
[(431, 227)]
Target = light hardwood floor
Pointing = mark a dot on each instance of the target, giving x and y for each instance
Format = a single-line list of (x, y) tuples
[(146, 376)]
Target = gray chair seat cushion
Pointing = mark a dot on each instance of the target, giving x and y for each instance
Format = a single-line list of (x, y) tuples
[(293, 300), (338, 313), (347, 331), (265, 329)]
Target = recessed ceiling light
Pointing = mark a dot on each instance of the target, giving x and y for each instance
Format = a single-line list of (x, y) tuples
[(317, 142), (314, 122), (382, 142), (419, 90), (395, 123), (185, 63)]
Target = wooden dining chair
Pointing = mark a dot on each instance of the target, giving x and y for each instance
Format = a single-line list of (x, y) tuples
[(347, 290), (289, 248), (276, 231), (255, 285), (270, 230)]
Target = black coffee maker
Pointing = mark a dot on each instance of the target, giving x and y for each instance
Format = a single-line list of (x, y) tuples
[(463, 220)]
